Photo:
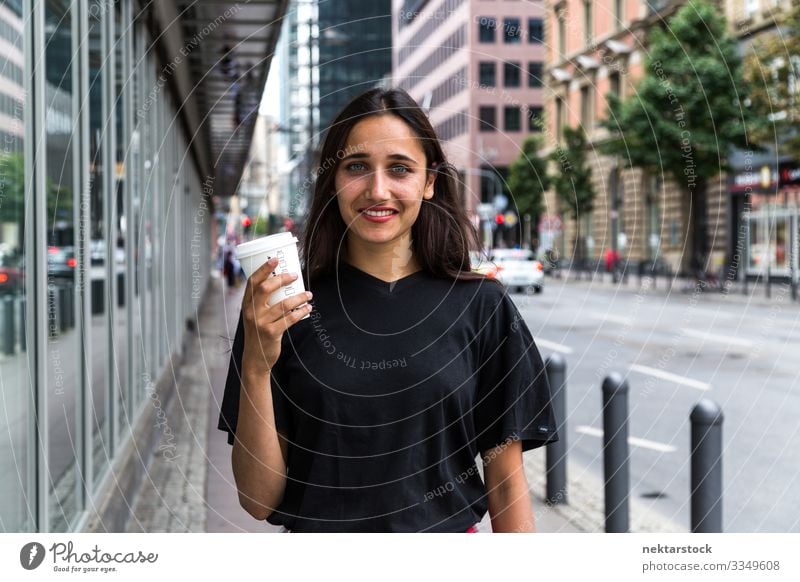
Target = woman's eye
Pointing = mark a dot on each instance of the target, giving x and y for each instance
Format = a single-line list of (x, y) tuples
[(403, 169), (355, 167)]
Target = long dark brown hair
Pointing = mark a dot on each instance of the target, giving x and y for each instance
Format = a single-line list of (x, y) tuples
[(442, 235)]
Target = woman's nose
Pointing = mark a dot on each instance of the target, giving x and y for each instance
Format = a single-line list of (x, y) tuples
[(378, 186)]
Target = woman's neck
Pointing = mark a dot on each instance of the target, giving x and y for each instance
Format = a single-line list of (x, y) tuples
[(389, 262)]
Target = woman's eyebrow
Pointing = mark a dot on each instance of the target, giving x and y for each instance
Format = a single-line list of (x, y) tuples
[(362, 156)]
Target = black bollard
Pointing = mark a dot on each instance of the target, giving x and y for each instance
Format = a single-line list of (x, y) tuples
[(615, 452), (9, 333), (706, 478), (23, 332), (769, 282), (556, 453), (63, 308)]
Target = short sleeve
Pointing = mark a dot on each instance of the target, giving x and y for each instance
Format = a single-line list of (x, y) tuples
[(229, 410), (513, 394)]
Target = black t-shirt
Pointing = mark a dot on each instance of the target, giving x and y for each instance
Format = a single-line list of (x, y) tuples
[(388, 392)]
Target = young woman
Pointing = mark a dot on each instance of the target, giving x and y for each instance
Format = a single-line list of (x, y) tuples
[(368, 415)]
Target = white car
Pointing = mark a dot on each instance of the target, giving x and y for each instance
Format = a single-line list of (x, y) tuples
[(518, 269)]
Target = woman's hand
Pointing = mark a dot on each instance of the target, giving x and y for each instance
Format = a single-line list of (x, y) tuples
[(264, 325)]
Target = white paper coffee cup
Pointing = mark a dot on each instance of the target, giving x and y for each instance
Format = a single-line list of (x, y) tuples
[(283, 246)]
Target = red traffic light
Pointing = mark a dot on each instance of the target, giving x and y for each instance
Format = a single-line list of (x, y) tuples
[(499, 219), (246, 221)]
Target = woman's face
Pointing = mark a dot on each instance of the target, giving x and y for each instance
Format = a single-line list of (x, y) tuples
[(381, 185)]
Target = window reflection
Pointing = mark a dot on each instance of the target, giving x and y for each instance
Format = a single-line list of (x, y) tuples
[(17, 458), (63, 343), (97, 332)]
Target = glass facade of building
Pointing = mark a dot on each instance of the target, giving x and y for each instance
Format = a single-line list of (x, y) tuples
[(104, 242), (355, 52)]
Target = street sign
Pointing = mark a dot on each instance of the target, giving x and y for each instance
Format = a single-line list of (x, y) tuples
[(500, 202), (485, 211)]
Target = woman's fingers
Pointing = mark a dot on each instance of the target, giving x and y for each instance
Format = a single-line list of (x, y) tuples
[(264, 271), (286, 307)]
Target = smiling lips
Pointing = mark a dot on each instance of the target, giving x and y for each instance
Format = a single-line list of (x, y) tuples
[(378, 213)]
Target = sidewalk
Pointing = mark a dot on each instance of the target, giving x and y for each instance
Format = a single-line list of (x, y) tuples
[(193, 490), (754, 293)]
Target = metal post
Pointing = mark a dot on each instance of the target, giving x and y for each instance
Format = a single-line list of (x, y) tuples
[(769, 281), (23, 337), (63, 308), (706, 472), (8, 326), (615, 452), (556, 453)]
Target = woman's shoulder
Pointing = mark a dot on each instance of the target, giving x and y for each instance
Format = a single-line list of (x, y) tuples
[(479, 291)]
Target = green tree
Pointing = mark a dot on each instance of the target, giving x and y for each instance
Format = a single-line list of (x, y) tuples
[(772, 73), (573, 183), (686, 112), (528, 179), (12, 187)]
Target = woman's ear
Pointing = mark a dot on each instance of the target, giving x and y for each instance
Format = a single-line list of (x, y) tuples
[(431, 179)]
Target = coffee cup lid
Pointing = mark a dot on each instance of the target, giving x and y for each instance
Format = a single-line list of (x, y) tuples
[(265, 243)]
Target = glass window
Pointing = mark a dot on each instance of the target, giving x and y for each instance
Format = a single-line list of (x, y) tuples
[(120, 223), (63, 368), (614, 85), (535, 30), (758, 253), (135, 215), (586, 107), (535, 118), (587, 21), (559, 118), (535, 74), (96, 278), (780, 254), (512, 31), (488, 118), (486, 73), (486, 28), (17, 459), (511, 118), (511, 75)]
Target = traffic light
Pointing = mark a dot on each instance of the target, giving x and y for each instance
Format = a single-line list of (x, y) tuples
[(499, 219), (246, 223)]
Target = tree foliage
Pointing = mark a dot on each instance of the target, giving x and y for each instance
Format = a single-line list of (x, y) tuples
[(686, 112), (528, 179), (772, 73), (572, 181)]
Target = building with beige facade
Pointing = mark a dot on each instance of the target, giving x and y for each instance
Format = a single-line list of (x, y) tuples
[(598, 48), (477, 67), (764, 187)]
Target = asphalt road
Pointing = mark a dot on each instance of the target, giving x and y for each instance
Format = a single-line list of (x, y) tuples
[(674, 350)]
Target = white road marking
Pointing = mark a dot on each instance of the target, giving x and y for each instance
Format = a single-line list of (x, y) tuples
[(669, 377), (612, 318), (713, 312), (713, 337), (542, 343), (633, 441)]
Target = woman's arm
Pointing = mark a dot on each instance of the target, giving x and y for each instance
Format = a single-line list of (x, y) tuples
[(510, 505), (259, 452)]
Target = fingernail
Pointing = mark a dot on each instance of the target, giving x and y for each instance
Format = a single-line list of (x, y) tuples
[(309, 294), (294, 275)]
